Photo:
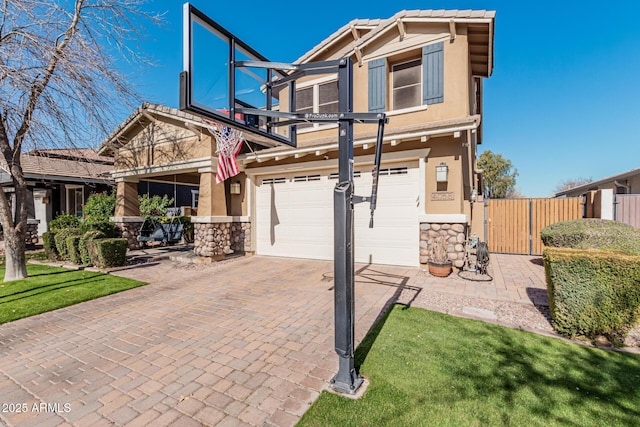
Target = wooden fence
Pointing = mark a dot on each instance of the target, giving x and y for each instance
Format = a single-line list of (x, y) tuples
[(513, 225), (627, 209)]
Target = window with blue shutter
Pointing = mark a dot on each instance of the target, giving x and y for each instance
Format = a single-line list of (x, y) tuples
[(433, 73), (378, 85)]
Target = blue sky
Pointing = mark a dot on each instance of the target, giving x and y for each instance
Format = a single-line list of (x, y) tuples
[(562, 100)]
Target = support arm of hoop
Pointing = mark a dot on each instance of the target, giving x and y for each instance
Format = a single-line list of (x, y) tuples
[(376, 170), (315, 117)]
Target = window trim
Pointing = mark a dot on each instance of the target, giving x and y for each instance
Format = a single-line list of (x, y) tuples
[(195, 198), (75, 188)]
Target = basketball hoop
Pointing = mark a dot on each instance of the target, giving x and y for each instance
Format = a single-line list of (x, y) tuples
[(228, 140), (228, 144)]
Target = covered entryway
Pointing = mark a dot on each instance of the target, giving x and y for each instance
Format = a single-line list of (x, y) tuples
[(294, 215)]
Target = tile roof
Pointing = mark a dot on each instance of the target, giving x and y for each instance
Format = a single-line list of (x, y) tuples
[(39, 167), (381, 24), (82, 154)]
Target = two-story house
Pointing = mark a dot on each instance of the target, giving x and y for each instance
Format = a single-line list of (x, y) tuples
[(423, 68)]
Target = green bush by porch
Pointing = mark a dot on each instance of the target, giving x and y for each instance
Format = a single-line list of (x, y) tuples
[(60, 238), (49, 244), (593, 292)]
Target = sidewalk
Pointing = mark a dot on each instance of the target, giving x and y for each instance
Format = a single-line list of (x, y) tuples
[(516, 297)]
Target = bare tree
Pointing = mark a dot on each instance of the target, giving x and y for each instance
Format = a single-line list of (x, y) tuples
[(514, 193), (60, 85), (571, 183)]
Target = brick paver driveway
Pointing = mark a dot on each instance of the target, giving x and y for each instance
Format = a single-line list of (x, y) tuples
[(248, 342)]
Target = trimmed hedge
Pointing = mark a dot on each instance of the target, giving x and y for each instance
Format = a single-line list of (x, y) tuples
[(592, 234), (82, 245), (72, 248), (107, 252), (593, 292), (61, 241), (49, 244)]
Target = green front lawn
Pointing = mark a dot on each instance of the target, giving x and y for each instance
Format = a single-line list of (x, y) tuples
[(50, 288), (431, 369)]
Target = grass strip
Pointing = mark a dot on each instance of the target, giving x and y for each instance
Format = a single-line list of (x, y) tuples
[(432, 369), (49, 288)]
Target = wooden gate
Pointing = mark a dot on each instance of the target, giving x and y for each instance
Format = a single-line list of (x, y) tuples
[(627, 209), (513, 225)]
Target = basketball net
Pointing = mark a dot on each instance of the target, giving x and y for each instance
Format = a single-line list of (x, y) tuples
[(228, 144)]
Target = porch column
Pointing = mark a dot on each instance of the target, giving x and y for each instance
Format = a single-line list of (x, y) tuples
[(127, 215), (211, 199), (127, 198)]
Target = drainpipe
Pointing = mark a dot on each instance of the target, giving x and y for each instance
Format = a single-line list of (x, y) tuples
[(625, 186)]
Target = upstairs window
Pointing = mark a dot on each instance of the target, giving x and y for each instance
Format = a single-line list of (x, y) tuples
[(407, 84), (412, 82), (316, 97)]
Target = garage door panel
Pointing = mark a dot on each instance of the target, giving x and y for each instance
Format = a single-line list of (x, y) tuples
[(303, 214)]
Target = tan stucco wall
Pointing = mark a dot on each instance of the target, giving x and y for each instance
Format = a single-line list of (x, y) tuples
[(237, 204), (457, 83), (448, 150), (211, 200), (160, 143)]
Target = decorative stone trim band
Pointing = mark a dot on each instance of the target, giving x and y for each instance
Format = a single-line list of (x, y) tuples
[(454, 233), (123, 219), (218, 219)]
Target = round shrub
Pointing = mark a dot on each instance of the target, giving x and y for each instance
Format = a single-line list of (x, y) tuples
[(592, 234), (83, 247)]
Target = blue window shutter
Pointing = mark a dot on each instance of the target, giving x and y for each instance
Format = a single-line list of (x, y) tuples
[(433, 73), (378, 85)]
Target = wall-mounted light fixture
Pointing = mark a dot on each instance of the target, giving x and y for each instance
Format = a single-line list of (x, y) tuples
[(442, 170), (234, 188)]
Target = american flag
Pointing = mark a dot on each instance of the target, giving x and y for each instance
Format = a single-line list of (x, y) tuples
[(229, 142), (227, 164)]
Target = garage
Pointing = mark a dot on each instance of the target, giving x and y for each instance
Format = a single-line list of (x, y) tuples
[(294, 215)]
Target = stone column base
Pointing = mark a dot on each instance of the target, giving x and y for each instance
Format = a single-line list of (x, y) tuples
[(217, 239), (455, 233), (129, 228)]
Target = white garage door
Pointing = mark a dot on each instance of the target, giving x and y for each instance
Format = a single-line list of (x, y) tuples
[(294, 216)]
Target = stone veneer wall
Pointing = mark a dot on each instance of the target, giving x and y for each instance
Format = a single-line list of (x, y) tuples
[(456, 238), (129, 231), (31, 236), (222, 238)]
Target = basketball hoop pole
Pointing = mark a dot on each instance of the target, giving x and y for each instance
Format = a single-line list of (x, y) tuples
[(347, 380)]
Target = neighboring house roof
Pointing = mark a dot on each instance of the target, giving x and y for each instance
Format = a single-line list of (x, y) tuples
[(56, 169), (480, 32), (82, 154), (593, 185)]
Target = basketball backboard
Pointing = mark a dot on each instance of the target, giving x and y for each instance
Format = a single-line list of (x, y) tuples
[(214, 85)]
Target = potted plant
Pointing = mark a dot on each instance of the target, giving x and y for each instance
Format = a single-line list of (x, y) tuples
[(439, 263)]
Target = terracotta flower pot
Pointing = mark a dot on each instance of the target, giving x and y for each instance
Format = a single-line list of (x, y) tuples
[(440, 270)]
